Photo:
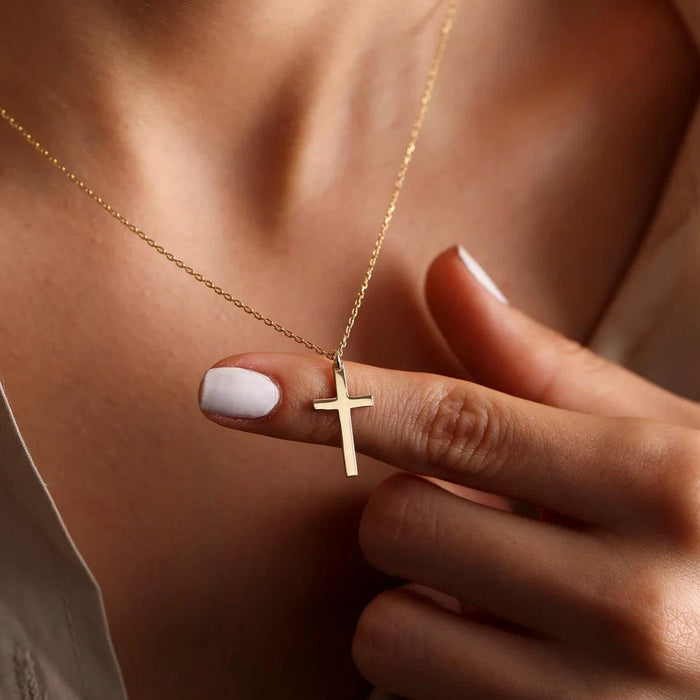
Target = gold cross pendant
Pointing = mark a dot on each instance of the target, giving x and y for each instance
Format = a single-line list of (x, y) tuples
[(344, 403)]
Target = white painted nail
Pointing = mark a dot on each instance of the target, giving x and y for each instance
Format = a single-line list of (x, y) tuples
[(480, 275), (238, 393)]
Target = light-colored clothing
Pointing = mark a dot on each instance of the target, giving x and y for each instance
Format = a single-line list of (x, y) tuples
[(54, 641)]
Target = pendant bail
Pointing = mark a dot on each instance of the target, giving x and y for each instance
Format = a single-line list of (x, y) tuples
[(338, 361)]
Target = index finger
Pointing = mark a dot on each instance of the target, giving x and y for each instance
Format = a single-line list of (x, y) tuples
[(576, 464)]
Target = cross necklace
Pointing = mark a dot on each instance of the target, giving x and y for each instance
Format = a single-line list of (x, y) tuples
[(343, 402)]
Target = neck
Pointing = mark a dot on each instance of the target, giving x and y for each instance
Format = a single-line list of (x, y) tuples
[(222, 81), (215, 62), (226, 55)]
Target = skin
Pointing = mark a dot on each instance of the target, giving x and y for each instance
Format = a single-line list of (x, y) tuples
[(229, 563), (596, 597)]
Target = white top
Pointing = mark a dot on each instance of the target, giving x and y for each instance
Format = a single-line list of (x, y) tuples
[(53, 628)]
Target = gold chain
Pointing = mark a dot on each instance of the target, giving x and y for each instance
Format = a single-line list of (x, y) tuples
[(398, 185)]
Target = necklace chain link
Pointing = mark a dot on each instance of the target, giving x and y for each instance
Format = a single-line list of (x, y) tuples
[(199, 277)]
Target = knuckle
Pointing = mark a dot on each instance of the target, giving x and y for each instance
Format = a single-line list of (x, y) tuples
[(386, 641), (676, 493), (647, 627), (459, 433), (398, 514), (643, 611)]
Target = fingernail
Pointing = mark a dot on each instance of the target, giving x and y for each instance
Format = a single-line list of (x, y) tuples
[(480, 275), (238, 393)]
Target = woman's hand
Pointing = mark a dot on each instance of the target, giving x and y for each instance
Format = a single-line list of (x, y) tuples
[(599, 598)]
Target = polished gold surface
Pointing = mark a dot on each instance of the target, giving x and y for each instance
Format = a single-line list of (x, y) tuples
[(398, 185), (344, 403)]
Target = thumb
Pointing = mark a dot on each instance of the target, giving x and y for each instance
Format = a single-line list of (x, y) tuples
[(507, 350)]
